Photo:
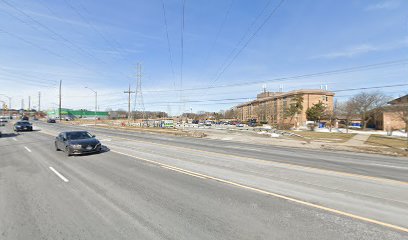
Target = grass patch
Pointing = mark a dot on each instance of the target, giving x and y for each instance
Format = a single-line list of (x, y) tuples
[(325, 136), (392, 142)]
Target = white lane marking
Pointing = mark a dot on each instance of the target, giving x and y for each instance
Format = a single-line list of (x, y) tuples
[(29, 150), (184, 172), (15, 139), (389, 166), (277, 195), (59, 175)]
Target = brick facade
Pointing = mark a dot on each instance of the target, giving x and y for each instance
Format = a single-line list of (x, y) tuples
[(271, 106), (392, 116)]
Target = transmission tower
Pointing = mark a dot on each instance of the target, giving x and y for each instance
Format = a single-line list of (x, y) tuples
[(139, 104)]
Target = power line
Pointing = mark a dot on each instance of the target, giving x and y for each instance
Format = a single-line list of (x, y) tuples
[(65, 41), (46, 50), (246, 98), (182, 47), (367, 88), (70, 44), (309, 75), (243, 36), (219, 30), (279, 79), (95, 29), (248, 41), (28, 77), (168, 43)]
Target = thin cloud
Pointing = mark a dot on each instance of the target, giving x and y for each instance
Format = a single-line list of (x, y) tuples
[(362, 49), (350, 52), (385, 5)]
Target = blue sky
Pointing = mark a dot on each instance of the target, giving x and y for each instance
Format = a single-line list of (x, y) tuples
[(98, 44)]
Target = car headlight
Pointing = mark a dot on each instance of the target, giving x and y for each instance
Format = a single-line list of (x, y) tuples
[(76, 146)]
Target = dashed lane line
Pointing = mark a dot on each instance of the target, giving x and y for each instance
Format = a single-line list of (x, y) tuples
[(59, 174)]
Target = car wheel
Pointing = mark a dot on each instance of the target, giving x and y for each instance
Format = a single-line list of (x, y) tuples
[(56, 147), (67, 152)]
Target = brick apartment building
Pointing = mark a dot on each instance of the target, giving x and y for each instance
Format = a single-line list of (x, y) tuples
[(392, 115), (271, 106)]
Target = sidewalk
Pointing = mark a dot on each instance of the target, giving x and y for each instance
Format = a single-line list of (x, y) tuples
[(358, 140)]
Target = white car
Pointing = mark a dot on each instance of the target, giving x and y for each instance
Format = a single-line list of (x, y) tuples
[(3, 120)]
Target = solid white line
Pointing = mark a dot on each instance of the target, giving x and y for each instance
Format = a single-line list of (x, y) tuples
[(15, 139), (59, 175), (277, 195), (389, 166), (27, 149), (184, 172)]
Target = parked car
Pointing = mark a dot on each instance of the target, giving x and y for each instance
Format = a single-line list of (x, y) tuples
[(240, 125), (1, 124), (3, 120), (22, 126), (77, 142), (51, 120), (24, 118)]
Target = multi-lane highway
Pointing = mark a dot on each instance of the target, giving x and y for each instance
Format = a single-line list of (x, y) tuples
[(150, 186)]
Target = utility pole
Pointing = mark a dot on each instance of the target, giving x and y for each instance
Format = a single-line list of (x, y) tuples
[(138, 91), (29, 103), (129, 94), (59, 104), (39, 101), (96, 102)]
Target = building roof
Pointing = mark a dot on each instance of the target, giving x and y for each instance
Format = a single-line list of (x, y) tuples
[(400, 100), (285, 94)]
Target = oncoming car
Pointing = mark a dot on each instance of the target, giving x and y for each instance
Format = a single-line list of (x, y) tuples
[(77, 142), (22, 126)]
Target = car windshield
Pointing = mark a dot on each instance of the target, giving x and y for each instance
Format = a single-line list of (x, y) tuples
[(23, 123), (78, 135)]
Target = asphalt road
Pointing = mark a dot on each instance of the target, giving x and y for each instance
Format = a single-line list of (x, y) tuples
[(149, 186), (356, 163)]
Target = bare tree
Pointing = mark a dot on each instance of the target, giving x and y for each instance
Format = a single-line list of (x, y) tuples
[(231, 114), (262, 111), (365, 102), (347, 110)]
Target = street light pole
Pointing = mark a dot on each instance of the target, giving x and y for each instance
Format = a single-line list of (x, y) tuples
[(96, 101)]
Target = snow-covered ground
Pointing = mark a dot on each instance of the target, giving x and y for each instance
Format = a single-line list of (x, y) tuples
[(397, 133)]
